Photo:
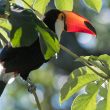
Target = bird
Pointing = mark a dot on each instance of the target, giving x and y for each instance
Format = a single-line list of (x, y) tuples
[(22, 60)]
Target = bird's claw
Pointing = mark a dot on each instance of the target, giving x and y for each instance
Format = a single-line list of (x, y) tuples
[(31, 86)]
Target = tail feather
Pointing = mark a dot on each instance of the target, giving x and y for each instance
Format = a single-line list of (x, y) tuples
[(2, 87)]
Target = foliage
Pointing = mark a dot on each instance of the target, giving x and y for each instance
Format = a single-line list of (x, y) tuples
[(49, 44), (78, 79), (84, 77), (94, 4), (87, 99), (39, 5), (93, 78), (64, 5)]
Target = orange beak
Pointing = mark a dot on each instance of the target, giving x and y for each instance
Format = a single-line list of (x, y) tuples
[(76, 23)]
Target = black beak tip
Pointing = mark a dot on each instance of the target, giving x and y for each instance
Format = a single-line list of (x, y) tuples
[(90, 27)]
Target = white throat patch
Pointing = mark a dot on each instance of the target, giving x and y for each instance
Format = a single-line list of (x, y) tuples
[(59, 27)]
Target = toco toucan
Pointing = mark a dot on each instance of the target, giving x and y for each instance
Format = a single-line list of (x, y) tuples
[(22, 60)]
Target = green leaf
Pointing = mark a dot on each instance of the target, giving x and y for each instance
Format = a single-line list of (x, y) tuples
[(20, 2), (108, 97), (64, 4), (105, 103), (101, 105), (94, 4), (4, 23), (103, 91), (75, 83), (4, 27), (17, 38), (92, 87), (101, 63), (105, 59), (4, 36), (104, 64), (87, 101), (39, 5), (26, 20), (49, 42)]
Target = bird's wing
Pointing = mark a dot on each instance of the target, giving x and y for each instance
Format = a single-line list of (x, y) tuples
[(8, 53)]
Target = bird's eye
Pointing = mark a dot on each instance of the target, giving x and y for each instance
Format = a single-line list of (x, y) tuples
[(62, 17)]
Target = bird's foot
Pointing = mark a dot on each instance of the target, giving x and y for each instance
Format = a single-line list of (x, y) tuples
[(31, 86)]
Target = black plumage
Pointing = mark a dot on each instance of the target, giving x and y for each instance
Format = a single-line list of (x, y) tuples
[(22, 60)]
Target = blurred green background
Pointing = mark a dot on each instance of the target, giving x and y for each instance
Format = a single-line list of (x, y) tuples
[(51, 76)]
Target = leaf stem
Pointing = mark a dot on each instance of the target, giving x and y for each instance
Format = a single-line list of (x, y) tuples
[(83, 61)]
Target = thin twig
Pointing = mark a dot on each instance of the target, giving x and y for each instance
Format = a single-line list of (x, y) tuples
[(32, 90), (82, 60), (37, 100)]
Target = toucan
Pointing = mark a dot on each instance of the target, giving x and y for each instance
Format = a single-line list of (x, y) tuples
[(22, 60)]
